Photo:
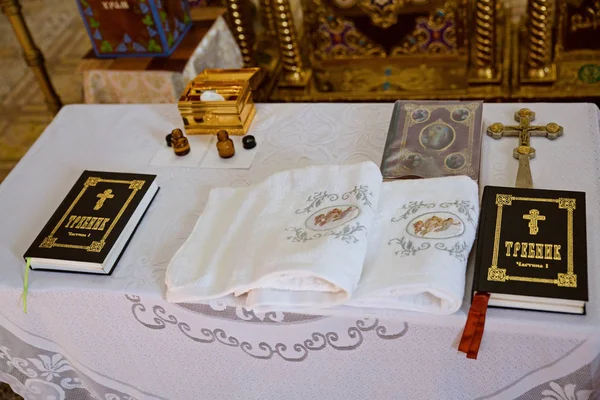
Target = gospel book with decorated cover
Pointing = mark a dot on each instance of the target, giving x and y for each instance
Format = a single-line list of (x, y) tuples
[(92, 226), (532, 250), (428, 139)]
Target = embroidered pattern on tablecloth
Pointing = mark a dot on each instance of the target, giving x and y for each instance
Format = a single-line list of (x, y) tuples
[(156, 317), (219, 309)]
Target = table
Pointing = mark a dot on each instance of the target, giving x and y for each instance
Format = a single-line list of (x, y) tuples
[(117, 338), (209, 44)]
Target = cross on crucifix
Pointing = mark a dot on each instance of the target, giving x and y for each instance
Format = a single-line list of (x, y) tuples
[(533, 217), (524, 131), (107, 194)]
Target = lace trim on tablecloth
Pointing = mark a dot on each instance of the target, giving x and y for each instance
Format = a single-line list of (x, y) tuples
[(35, 373)]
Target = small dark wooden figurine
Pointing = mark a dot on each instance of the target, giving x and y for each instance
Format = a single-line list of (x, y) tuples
[(180, 144), (225, 145)]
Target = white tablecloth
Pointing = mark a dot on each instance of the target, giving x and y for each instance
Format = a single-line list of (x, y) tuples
[(117, 338)]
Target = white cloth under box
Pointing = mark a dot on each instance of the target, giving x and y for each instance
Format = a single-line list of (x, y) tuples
[(300, 239)]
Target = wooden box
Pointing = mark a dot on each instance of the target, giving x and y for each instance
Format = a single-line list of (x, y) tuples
[(135, 28), (234, 114)]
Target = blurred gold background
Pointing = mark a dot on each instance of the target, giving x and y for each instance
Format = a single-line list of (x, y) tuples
[(343, 50)]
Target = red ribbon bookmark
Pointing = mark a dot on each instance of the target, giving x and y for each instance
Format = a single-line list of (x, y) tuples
[(473, 332)]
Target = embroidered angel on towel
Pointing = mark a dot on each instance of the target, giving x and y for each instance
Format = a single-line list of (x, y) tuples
[(435, 224)]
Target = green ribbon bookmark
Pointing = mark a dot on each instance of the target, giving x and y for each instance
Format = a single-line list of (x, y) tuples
[(26, 284)]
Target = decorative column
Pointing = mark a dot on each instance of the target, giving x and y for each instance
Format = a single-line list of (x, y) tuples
[(485, 40), (33, 56), (539, 66), (267, 18), (561, 28), (294, 72), (239, 14)]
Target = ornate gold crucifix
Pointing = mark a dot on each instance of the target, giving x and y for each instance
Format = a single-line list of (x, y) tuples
[(524, 131)]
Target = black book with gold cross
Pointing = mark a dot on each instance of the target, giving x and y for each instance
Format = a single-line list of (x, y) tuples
[(531, 249), (92, 226)]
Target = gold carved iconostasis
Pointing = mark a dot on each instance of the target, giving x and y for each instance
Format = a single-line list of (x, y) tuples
[(382, 50)]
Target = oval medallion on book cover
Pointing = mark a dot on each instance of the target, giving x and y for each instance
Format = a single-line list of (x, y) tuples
[(332, 217), (460, 114), (412, 161), (437, 136), (420, 115), (436, 225), (455, 161)]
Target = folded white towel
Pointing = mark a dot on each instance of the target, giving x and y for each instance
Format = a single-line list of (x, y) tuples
[(295, 241), (419, 246)]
